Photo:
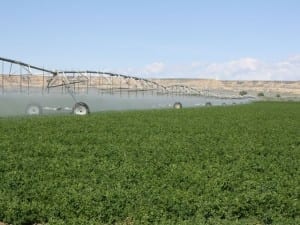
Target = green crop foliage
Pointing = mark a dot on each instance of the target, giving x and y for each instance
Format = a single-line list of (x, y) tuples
[(215, 165)]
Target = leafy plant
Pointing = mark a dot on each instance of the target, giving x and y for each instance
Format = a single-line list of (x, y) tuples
[(190, 166)]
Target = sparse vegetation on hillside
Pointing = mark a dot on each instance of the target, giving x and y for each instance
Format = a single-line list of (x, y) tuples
[(242, 93)]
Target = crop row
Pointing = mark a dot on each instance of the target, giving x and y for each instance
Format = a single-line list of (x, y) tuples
[(217, 165)]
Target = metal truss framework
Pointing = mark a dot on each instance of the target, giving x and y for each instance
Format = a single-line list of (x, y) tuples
[(102, 81), (26, 76)]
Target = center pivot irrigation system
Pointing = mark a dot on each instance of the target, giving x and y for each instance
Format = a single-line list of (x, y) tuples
[(21, 77)]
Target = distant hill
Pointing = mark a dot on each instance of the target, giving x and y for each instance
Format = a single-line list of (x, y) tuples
[(269, 88), (252, 87)]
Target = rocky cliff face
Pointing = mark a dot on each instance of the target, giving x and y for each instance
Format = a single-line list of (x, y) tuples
[(253, 87), (271, 88)]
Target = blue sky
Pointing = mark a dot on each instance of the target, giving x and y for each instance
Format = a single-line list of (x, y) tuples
[(229, 39)]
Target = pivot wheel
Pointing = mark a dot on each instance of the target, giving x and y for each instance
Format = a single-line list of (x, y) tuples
[(81, 109), (177, 105), (33, 109)]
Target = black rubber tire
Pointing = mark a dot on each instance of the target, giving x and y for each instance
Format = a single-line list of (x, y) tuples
[(177, 105), (81, 109), (33, 109)]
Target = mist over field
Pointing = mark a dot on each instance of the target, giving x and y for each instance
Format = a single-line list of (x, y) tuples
[(12, 104)]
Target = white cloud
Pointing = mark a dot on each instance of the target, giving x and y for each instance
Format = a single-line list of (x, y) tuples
[(294, 59), (286, 70), (154, 68), (235, 70), (246, 65), (241, 69), (253, 69)]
